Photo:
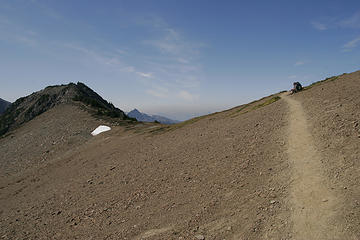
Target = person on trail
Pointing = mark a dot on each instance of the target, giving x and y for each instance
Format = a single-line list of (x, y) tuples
[(297, 88)]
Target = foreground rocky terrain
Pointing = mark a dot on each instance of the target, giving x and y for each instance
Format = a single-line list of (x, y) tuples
[(283, 167)]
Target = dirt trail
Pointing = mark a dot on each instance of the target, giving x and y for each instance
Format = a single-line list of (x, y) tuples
[(314, 205)]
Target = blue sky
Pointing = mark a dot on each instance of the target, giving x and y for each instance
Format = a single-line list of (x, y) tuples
[(176, 58)]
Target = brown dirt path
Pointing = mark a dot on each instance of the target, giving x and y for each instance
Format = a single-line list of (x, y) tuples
[(314, 204)]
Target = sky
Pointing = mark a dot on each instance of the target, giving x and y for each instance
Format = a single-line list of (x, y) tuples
[(177, 58)]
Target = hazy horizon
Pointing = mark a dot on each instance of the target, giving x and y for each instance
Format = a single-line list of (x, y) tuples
[(179, 59)]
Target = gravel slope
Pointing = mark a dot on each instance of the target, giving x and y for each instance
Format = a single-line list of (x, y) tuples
[(333, 111), (215, 177), (222, 176)]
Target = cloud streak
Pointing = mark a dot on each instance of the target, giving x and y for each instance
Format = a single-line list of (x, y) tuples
[(319, 26), (145, 75), (351, 44), (351, 22), (172, 65), (299, 63), (159, 92), (187, 96), (11, 32), (176, 66), (327, 23), (106, 59)]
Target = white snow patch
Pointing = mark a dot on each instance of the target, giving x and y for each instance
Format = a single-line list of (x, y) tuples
[(100, 129)]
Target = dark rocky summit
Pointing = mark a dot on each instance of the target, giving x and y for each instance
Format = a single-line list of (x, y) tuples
[(26, 108)]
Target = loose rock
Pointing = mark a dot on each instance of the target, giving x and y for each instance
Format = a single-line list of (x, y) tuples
[(200, 237)]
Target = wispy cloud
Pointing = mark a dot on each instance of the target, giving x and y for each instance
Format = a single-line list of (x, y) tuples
[(12, 32), (129, 69), (107, 59), (299, 63), (185, 95), (351, 44), (121, 51), (319, 26), (97, 56), (170, 60), (173, 43), (326, 23), (145, 75), (182, 60), (188, 81), (157, 91), (46, 10), (175, 64), (351, 22)]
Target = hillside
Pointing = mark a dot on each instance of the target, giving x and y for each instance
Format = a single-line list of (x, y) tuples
[(26, 108), (143, 117), (283, 167), (3, 105)]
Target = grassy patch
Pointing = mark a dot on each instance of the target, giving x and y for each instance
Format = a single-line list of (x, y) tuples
[(237, 111), (187, 122), (159, 129), (242, 108), (268, 102), (329, 79)]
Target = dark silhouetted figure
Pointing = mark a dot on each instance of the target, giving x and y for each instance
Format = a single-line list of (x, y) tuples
[(297, 88)]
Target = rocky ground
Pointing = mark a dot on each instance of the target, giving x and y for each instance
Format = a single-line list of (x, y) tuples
[(222, 176), (333, 111)]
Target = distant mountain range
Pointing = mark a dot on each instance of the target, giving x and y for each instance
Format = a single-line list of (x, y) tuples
[(143, 117), (3, 105)]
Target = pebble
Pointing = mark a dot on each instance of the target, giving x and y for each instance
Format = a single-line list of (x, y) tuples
[(325, 200), (200, 237), (272, 201)]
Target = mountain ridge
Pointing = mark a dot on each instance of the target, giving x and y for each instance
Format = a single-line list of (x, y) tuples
[(26, 108)]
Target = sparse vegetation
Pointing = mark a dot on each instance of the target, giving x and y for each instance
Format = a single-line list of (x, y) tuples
[(43, 99), (329, 79), (29, 112), (88, 101), (190, 121), (246, 107), (240, 109), (102, 107), (8, 118), (270, 101)]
